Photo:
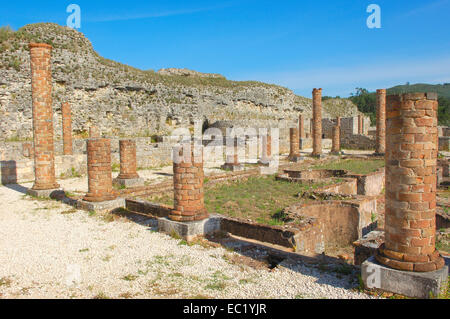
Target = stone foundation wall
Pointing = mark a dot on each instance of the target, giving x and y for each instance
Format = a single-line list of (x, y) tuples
[(444, 143)]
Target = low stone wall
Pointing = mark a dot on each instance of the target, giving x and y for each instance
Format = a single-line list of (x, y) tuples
[(444, 164), (346, 187), (359, 142), (371, 184), (22, 171), (444, 143), (144, 207)]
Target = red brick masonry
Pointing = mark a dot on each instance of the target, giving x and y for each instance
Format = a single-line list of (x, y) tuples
[(128, 164), (99, 171), (41, 83), (67, 128), (317, 122), (381, 121), (411, 158), (188, 186)]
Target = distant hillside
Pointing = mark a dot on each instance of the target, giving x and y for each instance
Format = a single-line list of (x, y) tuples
[(443, 90), (366, 101), (125, 101)]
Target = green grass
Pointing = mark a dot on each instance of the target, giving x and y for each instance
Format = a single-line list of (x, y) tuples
[(260, 199), (353, 166)]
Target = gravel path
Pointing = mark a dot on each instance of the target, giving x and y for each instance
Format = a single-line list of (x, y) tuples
[(49, 250)]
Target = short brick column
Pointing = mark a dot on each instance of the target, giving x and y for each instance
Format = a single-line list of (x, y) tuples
[(99, 171), (128, 164), (41, 83), (294, 139), (188, 179), (336, 141), (317, 122), (411, 158), (67, 128), (381, 122)]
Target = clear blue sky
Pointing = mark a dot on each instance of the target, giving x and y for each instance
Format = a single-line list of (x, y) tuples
[(297, 43)]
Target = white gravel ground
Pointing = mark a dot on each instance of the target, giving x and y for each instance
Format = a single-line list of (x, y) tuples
[(49, 250)]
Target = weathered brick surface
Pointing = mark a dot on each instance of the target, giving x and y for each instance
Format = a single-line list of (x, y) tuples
[(99, 171), (67, 128), (301, 126), (336, 145), (188, 180), (317, 122), (128, 165), (360, 124), (381, 121), (41, 83), (411, 157), (294, 143)]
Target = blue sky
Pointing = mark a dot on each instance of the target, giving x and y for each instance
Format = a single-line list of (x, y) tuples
[(298, 44)]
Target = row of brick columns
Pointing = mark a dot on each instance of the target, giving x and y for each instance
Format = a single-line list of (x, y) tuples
[(317, 122), (411, 159)]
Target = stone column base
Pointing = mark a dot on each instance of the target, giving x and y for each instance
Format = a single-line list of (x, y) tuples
[(378, 154), (337, 153), (129, 182), (189, 230), (105, 206), (44, 193), (295, 158), (232, 167), (410, 284), (319, 156)]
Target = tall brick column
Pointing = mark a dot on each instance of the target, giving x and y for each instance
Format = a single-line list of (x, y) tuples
[(128, 165), (294, 139), (381, 122), (67, 128), (317, 122), (99, 171), (411, 158), (336, 141), (360, 124), (41, 83), (301, 126), (188, 187)]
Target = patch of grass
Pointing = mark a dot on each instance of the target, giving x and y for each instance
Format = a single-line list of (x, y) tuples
[(354, 166), (5, 282), (129, 277), (260, 199), (68, 212), (83, 250), (101, 295), (115, 167)]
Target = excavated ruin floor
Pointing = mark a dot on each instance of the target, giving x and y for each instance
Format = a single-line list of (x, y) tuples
[(46, 244)]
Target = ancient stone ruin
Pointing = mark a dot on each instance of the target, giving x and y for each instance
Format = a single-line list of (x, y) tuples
[(386, 217)]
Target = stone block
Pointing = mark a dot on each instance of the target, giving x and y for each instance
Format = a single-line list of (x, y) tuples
[(105, 206), (190, 230), (411, 284), (130, 182)]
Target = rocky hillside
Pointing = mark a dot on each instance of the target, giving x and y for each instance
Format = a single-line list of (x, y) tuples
[(125, 101)]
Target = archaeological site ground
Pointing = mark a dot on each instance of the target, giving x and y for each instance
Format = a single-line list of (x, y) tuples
[(129, 184)]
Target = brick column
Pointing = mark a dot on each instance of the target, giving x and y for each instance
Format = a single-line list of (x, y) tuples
[(188, 179), (381, 122), (67, 129), (99, 171), (317, 122), (128, 165), (411, 157), (360, 124), (336, 141), (301, 126), (294, 144), (41, 83)]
